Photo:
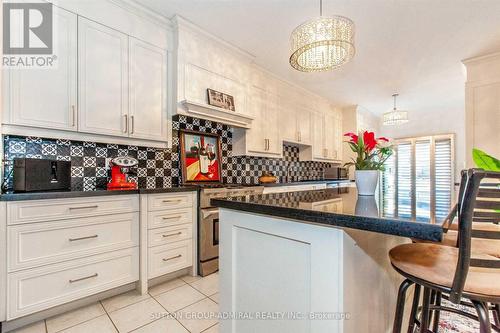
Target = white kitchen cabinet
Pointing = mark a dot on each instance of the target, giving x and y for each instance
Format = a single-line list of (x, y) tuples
[(103, 79), (326, 138), (74, 248), (318, 140), (46, 97), (147, 91), (295, 123), (263, 138), (168, 235)]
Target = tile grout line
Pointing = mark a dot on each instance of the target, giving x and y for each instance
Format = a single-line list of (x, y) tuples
[(109, 317), (206, 329), (172, 315)]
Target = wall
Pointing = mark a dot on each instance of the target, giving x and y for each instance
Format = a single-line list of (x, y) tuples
[(157, 168)]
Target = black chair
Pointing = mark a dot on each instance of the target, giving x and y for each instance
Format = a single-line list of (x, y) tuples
[(457, 273)]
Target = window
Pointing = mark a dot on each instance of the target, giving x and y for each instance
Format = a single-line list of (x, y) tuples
[(418, 180)]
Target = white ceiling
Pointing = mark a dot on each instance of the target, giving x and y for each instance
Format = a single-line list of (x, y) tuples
[(414, 47)]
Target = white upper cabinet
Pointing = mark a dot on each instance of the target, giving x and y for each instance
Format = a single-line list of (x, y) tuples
[(46, 97), (304, 126), (295, 122), (147, 91), (326, 137), (103, 79), (318, 136), (263, 138)]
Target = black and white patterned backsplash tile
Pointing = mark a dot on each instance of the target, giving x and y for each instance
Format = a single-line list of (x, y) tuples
[(158, 168)]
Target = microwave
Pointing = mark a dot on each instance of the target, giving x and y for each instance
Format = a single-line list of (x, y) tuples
[(336, 173)]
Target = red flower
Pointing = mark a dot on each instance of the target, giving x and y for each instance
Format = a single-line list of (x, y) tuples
[(354, 137), (383, 139), (369, 140)]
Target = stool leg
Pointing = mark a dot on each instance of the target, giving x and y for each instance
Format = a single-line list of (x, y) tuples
[(484, 318), (414, 308), (424, 322), (437, 313), (496, 314), (400, 306)]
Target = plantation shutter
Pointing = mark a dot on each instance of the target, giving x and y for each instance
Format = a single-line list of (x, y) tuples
[(418, 178)]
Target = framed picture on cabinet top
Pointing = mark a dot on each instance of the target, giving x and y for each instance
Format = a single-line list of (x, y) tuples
[(221, 100), (200, 157)]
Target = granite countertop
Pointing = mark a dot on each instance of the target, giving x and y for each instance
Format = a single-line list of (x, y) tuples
[(306, 182), (339, 207), (82, 194)]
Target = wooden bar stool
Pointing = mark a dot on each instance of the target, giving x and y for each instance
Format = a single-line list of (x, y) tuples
[(453, 271)]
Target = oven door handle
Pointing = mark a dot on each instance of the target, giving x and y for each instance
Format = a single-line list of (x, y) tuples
[(210, 212)]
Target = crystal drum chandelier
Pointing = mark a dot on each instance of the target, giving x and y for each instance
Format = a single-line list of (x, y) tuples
[(395, 116), (322, 43)]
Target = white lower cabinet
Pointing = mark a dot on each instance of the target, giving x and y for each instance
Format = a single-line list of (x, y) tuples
[(169, 234), (168, 258), (38, 289), (62, 250)]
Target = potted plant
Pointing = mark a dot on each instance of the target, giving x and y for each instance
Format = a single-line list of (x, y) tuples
[(371, 153)]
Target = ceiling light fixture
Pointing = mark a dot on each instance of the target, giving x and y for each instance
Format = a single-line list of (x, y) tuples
[(395, 116), (323, 43)]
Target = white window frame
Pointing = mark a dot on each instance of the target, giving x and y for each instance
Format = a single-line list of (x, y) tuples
[(412, 141)]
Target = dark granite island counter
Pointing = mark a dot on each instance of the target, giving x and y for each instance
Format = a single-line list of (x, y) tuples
[(314, 261)]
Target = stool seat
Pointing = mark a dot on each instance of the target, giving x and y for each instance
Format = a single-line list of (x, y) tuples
[(436, 264), (479, 245)]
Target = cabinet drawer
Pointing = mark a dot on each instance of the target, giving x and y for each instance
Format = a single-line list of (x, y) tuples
[(170, 217), (39, 289), (57, 209), (167, 235), (170, 200), (169, 258), (43, 243)]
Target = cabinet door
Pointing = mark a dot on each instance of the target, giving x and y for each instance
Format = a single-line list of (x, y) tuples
[(338, 137), (318, 140), (303, 117), (274, 144), (147, 92), (47, 97), (330, 130), (288, 120), (256, 136), (103, 79)]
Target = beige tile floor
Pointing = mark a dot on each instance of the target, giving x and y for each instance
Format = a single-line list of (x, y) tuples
[(167, 308)]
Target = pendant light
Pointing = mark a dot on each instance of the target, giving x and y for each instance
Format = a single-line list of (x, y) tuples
[(322, 44), (395, 116)]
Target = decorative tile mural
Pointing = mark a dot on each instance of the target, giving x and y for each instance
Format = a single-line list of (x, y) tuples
[(157, 167)]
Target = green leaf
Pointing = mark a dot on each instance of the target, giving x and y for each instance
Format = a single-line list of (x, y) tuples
[(485, 161)]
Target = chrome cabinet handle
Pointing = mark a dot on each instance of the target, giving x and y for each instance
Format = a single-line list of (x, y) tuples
[(84, 207), (171, 258), (82, 238), (133, 125), (300, 136), (84, 278), (170, 235), (73, 115), (126, 123)]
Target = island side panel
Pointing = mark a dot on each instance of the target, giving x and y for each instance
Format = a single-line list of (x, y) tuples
[(370, 282), (272, 265)]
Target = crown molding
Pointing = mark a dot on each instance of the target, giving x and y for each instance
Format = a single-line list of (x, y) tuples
[(182, 23), (481, 58), (136, 8)]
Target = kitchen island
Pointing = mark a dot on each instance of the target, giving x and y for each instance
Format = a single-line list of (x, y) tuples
[(313, 261)]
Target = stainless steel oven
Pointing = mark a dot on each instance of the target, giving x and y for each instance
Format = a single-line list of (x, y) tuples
[(208, 224)]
